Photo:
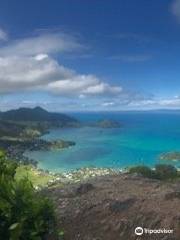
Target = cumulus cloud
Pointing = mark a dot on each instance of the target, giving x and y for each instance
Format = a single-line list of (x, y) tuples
[(30, 64), (176, 8), (19, 72), (44, 43), (83, 85)]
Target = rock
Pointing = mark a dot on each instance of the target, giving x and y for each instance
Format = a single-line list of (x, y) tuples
[(119, 206), (84, 188), (172, 195), (110, 207)]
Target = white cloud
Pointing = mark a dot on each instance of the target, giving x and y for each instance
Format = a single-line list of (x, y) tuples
[(45, 43), (3, 35), (176, 8), (108, 104), (83, 85), (172, 102), (156, 103), (18, 73), (29, 64), (41, 56)]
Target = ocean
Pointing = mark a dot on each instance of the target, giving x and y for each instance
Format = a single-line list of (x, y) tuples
[(141, 139)]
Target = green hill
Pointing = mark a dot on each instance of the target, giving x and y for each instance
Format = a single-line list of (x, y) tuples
[(36, 114), (32, 122)]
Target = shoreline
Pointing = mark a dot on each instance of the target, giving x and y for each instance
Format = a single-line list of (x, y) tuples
[(15, 148), (46, 179), (32, 140)]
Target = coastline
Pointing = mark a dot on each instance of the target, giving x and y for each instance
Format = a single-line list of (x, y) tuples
[(17, 153), (47, 179), (15, 148), (19, 145)]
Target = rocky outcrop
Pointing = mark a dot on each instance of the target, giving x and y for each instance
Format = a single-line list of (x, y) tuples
[(173, 156), (84, 188), (112, 206)]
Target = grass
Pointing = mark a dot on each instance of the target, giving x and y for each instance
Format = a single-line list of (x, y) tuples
[(38, 178)]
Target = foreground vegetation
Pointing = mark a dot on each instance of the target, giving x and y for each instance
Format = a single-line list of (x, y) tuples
[(24, 213), (160, 172), (36, 177)]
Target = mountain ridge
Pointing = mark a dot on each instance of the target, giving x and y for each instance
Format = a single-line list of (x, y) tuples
[(32, 122), (35, 114)]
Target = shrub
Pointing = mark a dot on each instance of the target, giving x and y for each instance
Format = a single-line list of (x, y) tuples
[(164, 172), (142, 170), (24, 213), (7, 167), (161, 172)]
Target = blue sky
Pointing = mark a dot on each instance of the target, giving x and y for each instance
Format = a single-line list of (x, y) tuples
[(78, 55)]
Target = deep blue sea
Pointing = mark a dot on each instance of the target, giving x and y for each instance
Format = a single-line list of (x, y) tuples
[(141, 139)]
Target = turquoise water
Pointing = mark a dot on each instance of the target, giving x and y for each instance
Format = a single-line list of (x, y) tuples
[(140, 140)]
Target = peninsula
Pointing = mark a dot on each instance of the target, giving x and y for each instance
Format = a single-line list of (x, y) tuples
[(21, 129)]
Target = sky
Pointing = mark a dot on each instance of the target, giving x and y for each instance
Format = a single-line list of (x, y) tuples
[(87, 55)]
